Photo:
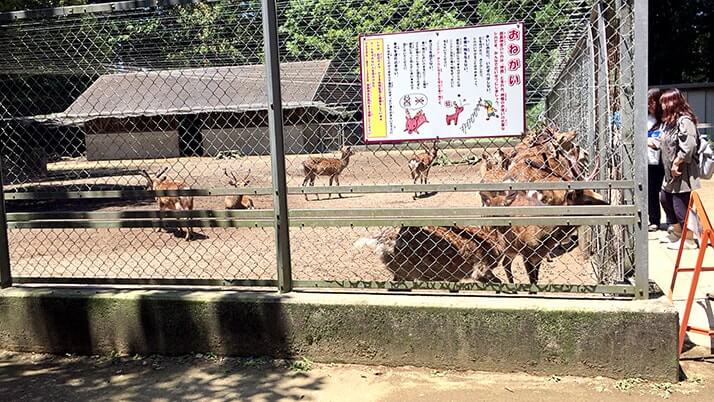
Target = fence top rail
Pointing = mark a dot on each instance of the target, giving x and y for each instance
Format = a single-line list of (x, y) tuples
[(68, 11), (386, 188), (540, 211)]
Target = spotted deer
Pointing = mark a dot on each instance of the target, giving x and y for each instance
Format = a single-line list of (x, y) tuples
[(239, 201), (494, 169), (332, 167), (180, 203), (420, 164)]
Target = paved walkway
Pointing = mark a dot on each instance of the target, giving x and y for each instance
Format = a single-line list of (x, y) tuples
[(27, 377), (661, 262)]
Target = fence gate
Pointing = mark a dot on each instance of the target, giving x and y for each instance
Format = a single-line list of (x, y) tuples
[(239, 115)]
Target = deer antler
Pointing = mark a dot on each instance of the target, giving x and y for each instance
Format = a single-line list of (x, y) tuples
[(162, 171), (574, 165), (596, 169), (246, 176)]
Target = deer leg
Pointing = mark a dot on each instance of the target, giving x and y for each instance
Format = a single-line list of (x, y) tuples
[(532, 268), (189, 230), (507, 267), (416, 177), (337, 180), (332, 178), (305, 182), (312, 184), (161, 219), (484, 272)]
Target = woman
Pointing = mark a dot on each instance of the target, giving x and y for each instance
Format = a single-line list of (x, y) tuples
[(679, 156), (655, 169)]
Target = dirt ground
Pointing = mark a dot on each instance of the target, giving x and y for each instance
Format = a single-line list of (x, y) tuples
[(33, 377), (241, 253)]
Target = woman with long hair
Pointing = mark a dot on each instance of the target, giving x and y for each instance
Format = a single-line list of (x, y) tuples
[(655, 169), (679, 157)]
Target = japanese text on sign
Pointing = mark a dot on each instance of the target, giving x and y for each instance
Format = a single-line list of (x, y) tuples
[(452, 83)]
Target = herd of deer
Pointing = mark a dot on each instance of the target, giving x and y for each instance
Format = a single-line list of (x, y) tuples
[(453, 253), (185, 203)]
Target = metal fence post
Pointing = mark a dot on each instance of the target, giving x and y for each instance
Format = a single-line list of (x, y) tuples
[(640, 117), (5, 273), (277, 146)]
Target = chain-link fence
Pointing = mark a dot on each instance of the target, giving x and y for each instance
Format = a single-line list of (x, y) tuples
[(105, 105)]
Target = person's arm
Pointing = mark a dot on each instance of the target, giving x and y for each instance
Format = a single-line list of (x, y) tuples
[(687, 145)]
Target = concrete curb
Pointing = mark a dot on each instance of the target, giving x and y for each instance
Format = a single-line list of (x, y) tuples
[(545, 336)]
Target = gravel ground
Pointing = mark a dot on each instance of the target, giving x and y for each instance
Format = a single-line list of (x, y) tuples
[(241, 253), (32, 377)]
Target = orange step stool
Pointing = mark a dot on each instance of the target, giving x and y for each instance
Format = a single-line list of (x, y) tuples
[(702, 228)]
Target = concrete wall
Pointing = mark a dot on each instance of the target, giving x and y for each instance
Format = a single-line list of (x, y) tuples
[(545, 336), (139, 145), (253, 140)]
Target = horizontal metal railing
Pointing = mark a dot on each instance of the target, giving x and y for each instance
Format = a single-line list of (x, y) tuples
[(496, 216), (386, 188)]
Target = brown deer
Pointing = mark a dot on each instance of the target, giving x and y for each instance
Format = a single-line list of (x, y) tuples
[(332, 167), (455, 253), (420, 164), (180, 203), (535, 243), (532, 242), (494, 169), (239, 201), (435, 253)]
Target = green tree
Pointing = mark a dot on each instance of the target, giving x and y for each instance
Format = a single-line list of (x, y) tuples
[(326, 28), (14, 5), (681, 36)]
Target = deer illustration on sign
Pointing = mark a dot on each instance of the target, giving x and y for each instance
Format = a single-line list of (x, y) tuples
[(414, 102), (454, 117), (414, 122)]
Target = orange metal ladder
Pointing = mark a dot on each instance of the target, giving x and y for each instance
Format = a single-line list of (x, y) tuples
[(706, 239)]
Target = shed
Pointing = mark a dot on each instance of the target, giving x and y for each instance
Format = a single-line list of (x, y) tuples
[(206, 111)]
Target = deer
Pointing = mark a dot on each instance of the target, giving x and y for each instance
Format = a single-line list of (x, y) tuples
[(536, 243), (436, 253), (420, 164), (533, 242), (454, 253), (180, 203), (333, 167), (240, 201), (494, 169)]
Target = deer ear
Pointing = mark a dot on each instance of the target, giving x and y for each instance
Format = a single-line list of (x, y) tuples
[(571, 196), (510, 198), (535, 195), (485, 199)]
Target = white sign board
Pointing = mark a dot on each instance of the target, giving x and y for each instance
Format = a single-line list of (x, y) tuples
[(452, 83)]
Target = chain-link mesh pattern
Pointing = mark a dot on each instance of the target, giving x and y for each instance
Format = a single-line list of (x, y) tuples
[(580, 119), (91, 102), (106, 101)]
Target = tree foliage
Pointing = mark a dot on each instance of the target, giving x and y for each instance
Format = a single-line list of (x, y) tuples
[(14, 5), (681, 39)]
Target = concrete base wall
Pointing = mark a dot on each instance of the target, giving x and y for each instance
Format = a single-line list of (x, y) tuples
[(545, 336)]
